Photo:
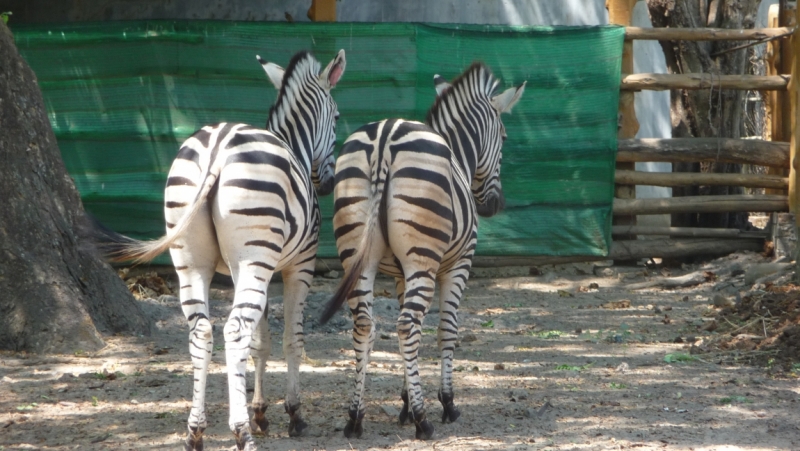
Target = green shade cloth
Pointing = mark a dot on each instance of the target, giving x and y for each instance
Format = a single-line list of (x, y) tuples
[(122, 96)]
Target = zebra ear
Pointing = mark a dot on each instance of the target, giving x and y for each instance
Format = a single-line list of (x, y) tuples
[(440, 84), (274, 72), (505, 101), (331, 75)]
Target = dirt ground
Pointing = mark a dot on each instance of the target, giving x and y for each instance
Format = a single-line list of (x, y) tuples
[(573, 357)]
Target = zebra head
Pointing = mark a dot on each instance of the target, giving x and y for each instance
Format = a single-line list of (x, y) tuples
[(305, 114), (467, 114)]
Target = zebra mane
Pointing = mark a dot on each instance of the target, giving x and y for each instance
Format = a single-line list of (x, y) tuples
[(488, 83), (303, 65)]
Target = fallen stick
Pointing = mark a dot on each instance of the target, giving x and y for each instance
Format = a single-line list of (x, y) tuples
[(688, 280)]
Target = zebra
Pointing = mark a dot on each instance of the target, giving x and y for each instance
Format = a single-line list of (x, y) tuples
[(241, 201), (407, 197)]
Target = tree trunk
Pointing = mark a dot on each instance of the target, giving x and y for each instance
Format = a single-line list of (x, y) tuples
[(56, 294), (705, 113)]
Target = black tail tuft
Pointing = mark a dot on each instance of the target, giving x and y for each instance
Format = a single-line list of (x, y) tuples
[(346, 287), (108, 242)]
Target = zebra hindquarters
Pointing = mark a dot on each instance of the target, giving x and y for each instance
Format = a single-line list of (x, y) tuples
[(250, 211), (419, 224)]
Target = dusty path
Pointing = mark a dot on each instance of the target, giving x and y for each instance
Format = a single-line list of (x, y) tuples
[(546, 362)]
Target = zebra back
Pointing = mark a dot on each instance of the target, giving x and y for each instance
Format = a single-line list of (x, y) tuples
[(467, 115)]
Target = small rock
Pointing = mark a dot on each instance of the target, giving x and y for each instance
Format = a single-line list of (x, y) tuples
[(685, 299), (333, 274), (385, 336), (469, 338), (594, 286), (755, 272), (721, 301), (499, 366), (390, 410), (711, 326), (678, 340), (614, 305), (534, 271), (578, 331), (622, 368), (530, 412), (133, 401), (518, 394)]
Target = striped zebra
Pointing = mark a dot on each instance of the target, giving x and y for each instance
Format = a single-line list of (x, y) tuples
[(241, 201), (407, 206)]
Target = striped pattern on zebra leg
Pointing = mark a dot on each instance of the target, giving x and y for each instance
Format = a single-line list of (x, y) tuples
[(242, 201), (260, 349), (429, 183)]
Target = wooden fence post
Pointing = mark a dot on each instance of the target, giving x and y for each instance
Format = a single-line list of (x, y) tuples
[(794, 164), (620, 12)]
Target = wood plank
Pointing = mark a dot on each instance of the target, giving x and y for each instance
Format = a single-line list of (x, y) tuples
[(663, 82), (700, 178), (696, 232), (704, 34), (726, 150), (701, 204)]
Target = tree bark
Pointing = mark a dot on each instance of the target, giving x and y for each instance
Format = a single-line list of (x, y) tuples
[(56, 294), (705, 113)]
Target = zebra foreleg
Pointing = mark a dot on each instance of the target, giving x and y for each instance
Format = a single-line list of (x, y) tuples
[(363, 339), (451, 288), (296, 285), (260, 350)]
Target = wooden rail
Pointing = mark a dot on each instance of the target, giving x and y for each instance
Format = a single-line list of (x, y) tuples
[(705, 34), (695, 232), (701, 204), (700, 178), (725, 150), (663, 82)]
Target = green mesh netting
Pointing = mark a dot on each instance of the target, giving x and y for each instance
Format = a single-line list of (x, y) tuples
[(122, 96)]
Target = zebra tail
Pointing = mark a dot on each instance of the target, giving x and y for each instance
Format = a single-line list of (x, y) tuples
[(361, 259), (118, 248)]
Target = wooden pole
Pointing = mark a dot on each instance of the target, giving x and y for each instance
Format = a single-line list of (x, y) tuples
[(663, 82), (686, 231), (620, 12), (705, 34), (701, 204), (794, 92), (700, 178), (322, 11), (724, 150)]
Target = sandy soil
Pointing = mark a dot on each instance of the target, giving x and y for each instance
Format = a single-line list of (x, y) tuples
[(576, 357)]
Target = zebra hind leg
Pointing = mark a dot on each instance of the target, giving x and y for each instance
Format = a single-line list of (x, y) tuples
[(400, 289), (260, 350), (296, 282), (451, 287)]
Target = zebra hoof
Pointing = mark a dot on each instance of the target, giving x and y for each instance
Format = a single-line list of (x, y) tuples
[(194, 440), (450, 412), (353, 429), (260, 423), (244, 439), (425, 430), (403, 417), (297, 426)]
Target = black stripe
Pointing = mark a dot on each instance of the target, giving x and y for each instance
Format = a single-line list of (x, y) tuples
[(345, 229), (424, 252), (262, 243), (249, 305), (259, 211), (180, 181), (257, 185), (429, 231), (350, 173), (428, 204), (189, 154), (343, 202), (262, 265), (249, 138), (427, 175), (171, 204)]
